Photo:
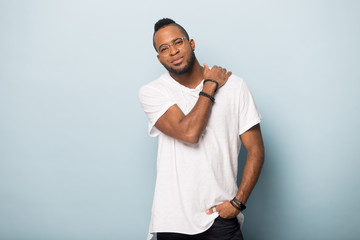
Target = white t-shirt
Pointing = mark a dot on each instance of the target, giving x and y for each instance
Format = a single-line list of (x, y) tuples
[(192, 178)]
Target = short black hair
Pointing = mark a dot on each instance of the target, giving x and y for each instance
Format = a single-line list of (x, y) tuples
[(165, 22)]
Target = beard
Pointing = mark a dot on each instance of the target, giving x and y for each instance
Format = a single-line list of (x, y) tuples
[(187, 68)]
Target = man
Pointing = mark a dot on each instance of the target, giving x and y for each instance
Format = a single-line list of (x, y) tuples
[(200, 117)]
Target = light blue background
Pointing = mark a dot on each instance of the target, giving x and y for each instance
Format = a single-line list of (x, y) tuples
[(75, 158)]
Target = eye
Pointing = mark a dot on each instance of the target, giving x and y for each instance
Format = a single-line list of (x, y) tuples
[(164, 49), (179, 42)]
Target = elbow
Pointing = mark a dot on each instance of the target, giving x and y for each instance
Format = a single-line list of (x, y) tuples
[(194, 140), (258, 155), (262, 156), (189, 134), (191, 138)]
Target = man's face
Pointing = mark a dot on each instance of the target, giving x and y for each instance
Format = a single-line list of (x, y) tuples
[(179, 60)]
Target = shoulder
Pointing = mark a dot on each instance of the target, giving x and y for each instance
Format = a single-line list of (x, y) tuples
[(236, 87), (155, 86), (234, 83), (236, 79), (155, 91)]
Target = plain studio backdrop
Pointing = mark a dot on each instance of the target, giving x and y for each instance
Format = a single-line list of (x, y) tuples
[(75, 158)]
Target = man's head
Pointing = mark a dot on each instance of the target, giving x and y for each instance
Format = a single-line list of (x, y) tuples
[(166, 22), (175, 49)]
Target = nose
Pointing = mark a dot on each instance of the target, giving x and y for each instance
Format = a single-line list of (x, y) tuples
[(173, 50)]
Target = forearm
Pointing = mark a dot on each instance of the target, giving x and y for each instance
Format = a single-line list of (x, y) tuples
[(251, 173), (254, 162), (193, 124)]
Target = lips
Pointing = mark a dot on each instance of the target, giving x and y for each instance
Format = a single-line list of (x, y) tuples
[(177, 61)]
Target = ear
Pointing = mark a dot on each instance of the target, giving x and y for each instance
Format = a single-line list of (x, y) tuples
[(192, 44)]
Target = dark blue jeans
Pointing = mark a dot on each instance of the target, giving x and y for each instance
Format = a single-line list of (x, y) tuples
[(222, 229)]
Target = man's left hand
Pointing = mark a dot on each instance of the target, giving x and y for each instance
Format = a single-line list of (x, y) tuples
[(226, 210)]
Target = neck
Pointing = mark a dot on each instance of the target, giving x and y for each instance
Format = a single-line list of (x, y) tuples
[(192, 78)]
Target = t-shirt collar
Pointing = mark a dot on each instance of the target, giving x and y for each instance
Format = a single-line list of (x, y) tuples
[(171, 80)]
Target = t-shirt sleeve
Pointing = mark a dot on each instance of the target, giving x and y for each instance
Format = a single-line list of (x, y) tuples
[(155, 103), (249, 115)]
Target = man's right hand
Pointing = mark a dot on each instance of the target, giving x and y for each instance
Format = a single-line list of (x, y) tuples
[(217, 74)]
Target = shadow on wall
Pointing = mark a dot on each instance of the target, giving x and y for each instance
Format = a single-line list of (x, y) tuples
[(258, 212)]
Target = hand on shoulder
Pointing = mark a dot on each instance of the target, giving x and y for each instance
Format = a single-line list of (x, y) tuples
[(216, 73)]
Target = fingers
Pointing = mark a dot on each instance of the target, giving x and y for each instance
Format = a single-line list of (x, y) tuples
[(212, 210), (206, 66), (215, 67), (224, 71)]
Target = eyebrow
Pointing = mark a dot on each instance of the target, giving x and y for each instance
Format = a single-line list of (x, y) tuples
[(171, 41)]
